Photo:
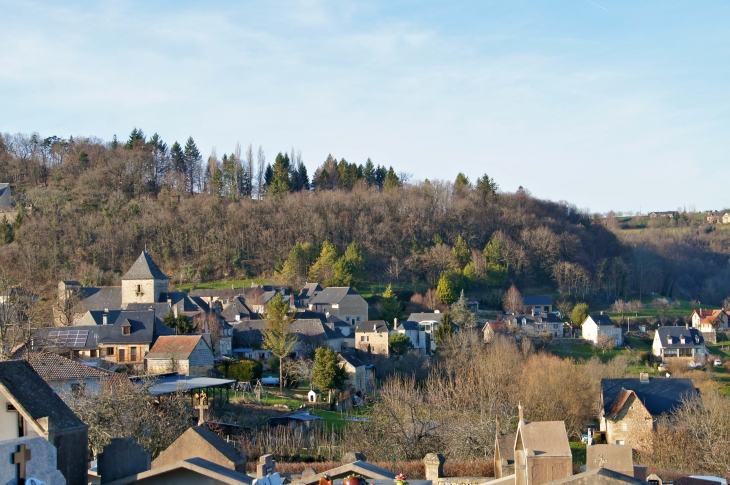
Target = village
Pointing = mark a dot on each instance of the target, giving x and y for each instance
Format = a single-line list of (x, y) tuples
[(146, 339)]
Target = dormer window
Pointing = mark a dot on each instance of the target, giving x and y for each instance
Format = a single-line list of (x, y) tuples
[(681, 340), (126, 330)]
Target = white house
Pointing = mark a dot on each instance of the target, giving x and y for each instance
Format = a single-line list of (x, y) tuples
[(679, 343), (597, 326), (413, 331), (427, 323)]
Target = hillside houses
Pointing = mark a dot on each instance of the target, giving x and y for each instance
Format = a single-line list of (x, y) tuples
[(709, 323), (343, 302), (598, 327), (683, 344)]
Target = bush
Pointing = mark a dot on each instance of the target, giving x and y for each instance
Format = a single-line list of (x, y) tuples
[(243, 370)]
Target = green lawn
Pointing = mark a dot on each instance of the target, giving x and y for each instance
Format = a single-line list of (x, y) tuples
[(222, 284), (684, 309)]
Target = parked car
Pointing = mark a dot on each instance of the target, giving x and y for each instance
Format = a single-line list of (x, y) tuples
[(718, 363)]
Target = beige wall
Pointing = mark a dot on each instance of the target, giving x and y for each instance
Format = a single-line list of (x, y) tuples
[(353, 307), (541, 469), (151, 290), (376, 343), (633, 426)]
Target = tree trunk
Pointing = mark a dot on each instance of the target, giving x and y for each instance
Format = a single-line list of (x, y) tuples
[(281, 373)]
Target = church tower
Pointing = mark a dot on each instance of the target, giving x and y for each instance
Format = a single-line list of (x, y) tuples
[(144, 282)]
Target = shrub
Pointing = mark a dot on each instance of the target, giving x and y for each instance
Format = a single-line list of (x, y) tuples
[(243, 370)]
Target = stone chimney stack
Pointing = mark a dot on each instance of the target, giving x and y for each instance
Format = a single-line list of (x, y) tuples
[(434, 463)]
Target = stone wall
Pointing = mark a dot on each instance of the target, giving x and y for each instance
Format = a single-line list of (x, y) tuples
[(159, 366), (377, 343), (633, 426), (151, 291), (353, 306)]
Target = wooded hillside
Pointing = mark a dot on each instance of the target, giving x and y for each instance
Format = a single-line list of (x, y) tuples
[(87, 208)]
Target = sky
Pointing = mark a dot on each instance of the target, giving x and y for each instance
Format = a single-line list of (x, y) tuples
[(610, 105)]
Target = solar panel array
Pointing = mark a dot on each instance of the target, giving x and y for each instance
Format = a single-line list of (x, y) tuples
[(69, 338)]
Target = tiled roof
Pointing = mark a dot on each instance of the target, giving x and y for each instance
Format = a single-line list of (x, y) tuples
[(333, 294), (659, 396), (174, 346), (35, 396), (144, 268), (53, 367)]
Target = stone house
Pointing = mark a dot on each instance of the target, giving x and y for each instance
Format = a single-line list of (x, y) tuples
[(631, 406), (542, 452), (343, 302), (307, 293), (679, 343), (189, 355), (108, 338), (235, 310), (312, 333), (361, 376), (538, 304), (598, 326), (30, 407), (372, 337), (709, 322)]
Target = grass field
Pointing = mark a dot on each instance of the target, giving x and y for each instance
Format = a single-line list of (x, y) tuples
[(222, 284), (683, 309)]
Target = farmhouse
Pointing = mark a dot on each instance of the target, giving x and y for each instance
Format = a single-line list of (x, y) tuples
[(361, 376), (709, 322), (538, 304), (189, 355), (679, 343), (597, 327)]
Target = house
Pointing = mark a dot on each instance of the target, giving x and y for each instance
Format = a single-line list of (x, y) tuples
[(361, 376), (542, 452), (709, 322), (372, 337), (236, 310), (679, 343), (189, 355), (655, 215), (309, 291), (105, 338), (538, 324), (492, 327), (257, 297), (413, 331), (66, 376), (598, 327), (713, 219), (201, 442), (312, 333), (630, 407), (343, 302), (427, 323), (538, 304), (30, 407), (726, 218)]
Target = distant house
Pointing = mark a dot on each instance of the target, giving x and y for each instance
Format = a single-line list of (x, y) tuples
[(598, 326), (236, 310), (726, 218), (309, 291), (538, 304), (713, 219), (654, 215), (372, 337), (679, 343), (709, 322), (343, 302), (538, 324), (361, 376), (630, 407), (427, 323), (312, 333), (413, 331), (493, 327), (110, 338), (189, 355)]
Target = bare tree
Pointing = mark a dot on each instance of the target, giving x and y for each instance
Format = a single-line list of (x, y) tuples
[(512, 301), (621, 307), (261, 169)]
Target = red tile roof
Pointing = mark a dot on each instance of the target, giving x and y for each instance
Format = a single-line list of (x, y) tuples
[(177, 346)]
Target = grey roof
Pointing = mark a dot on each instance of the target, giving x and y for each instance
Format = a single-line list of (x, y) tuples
[(99, 298), (250, 330), (602, 320), (537, 300), (539, 318), (4, 196), (176, 299), (353, 360), (309, 290), (658, 395), (237, 306), (312, 327), (35, 396), (170, 384), (426, 317), (672, 337), (408, 325), (372, 326), (333, 294), (144, 269), (54, 367), (217, 293)]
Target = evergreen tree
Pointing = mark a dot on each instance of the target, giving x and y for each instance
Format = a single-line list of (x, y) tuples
[(390, 307), (579, 314), (462, 180), (7, 234), (115, 143), (279, 183), (461, 252), (444, 330), (399, 343), (322, 271), (445, 291), (177, 158), (487, 186), (368, 173), (327, 374), (268, 177), (192, 163), (83, 161), (350, 268), (136, 138), (380, 175), (461, 315), (296, 266), (391, 180), (181, 324), (495, 261)]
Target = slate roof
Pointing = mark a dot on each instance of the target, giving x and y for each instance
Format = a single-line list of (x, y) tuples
[(99, 298), (425, 317), (672, 337), (313, 327), (372, 326), (237, 306), (333, 294), (177, 299), (353, 360), (178, 347), (659, 396), (309, 289), (218, 293), (54, 367), (541, 300), (602, 320), (35, 396), (5, 196), (408, 325), (144, 268), (540, 318), (545, 438)]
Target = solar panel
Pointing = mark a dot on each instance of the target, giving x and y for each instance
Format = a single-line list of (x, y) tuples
[(69, 338)]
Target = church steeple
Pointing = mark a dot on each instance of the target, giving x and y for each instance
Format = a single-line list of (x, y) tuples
[(144, 282)]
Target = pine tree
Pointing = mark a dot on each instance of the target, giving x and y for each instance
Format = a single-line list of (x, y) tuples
[(399, 343), (495, 262), (391, 180), (296, 266), (115, 143), (390, 307), (192, 163), (177, 158), (461, 314), (461, 252), (322, 271), (279, 183), (136, 138), (326, 372), (462, 181), (350, 268), (303, 177), (487, 186), (444, 330), (445, 291)]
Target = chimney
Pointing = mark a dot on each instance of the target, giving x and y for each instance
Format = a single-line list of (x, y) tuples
[(395, 322), (105, 317), (644, 377), (169, 302)]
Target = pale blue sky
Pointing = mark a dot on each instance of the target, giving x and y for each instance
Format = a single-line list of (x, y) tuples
[(606, 104)]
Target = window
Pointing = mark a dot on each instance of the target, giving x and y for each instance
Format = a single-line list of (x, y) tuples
[(122, 355), (670, 352), (110, 351), (94, 353), (139, 289), (363, 338), (126, 330), (77, 354), (625, 427), (133, 354), (685, 352), (619, 442), (358, 319)]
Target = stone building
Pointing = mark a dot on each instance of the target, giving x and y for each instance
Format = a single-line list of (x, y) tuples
[(342, 302), (201, 442), (542, 452), (360, 376), (631, 406), (189, 355), (29, 407), (504, 454), (372, 337)]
